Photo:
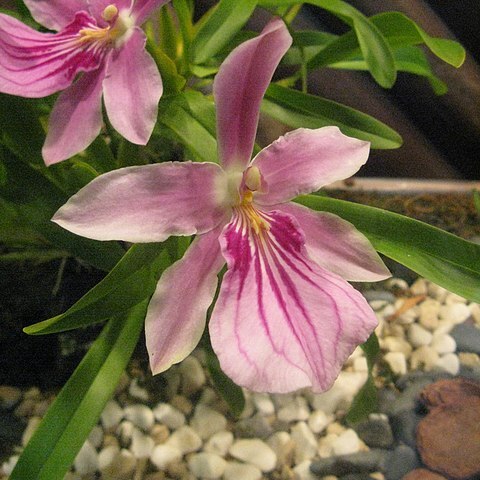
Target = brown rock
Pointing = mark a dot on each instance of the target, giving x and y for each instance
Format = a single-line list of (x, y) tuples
[(449, 392), (423, 474), (448, 438)]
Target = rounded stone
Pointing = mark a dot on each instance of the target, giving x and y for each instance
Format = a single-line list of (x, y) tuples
[(163, 455), (424, 357), (318, 421), (142, 445), (429, 310), (206, 421), (305, 442), (169, 416), (450, 363), (140, 415), (219, 443), (397, 362), (295, 410), (185, 439), (346, 443), (263, 403), (207, 465), (9, 396), (443, 343), (455, 313), (243, 471), (418, 336), (121, 468), (283, 446), (86, 461), (193, 375), (111, 416), (256, 452)]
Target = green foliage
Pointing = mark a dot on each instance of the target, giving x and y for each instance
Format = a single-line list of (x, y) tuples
[(297, 109), (130, 282), (225, 21), (439, 256), (78, 406)]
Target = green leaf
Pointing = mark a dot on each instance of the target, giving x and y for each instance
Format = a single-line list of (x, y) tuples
[(221, 26), (366, 400), (297, 109), (375, 49), (402, 31), (54, 445), (364, 403), (407, 59), (20, 128), (399, 31), (132, 280), (35, 199), (439, 256), (229, 391), (192, 132)]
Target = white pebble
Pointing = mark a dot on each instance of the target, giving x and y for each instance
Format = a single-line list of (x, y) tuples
[(9, 465), (193, 375), (283, 446), (437, 292), (475, 312), (96, 436), (455, 313), (318, 421), (341, 394), (107, 455), (86, 460), (418, 336), (419, 287), (297, 409), (302, 471), (443, 343), (219, 443), (112, 415), (360, 364), (346, 443), (207, 465), (142, 445), (125, 431), (33, 423), (450, 363), (263, 403), (185, 439), (429, 310), (305, 442), (140, 415), (136, 391), (243, 471), (397, 283), (397, 362), (325, 448), (169, 416), (454, 298), (425, 357), (206, 421), (121, 468), (396, 344), (164, 455), (256, 452)]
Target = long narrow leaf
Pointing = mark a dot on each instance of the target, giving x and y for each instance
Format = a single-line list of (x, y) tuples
[(132, 280), (227, 19), (437, 255), (78, 406), (375, 49), (297, 109)]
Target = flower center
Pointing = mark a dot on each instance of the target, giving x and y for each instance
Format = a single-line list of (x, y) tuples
[(120, 23), (252, 181)]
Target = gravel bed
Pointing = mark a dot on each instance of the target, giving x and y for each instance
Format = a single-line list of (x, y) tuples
[(175, 426)]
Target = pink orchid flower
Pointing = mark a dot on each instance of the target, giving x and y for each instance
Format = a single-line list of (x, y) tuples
[(101, 38), (285, 317)]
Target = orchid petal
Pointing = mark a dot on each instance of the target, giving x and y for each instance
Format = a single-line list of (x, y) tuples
[(281, 322), (76, 118), (238, 90), (147, 203), (337, 245), (178, 309), (132, 89), (35, 64), (55, 14), (305, 160), (142, 9)]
